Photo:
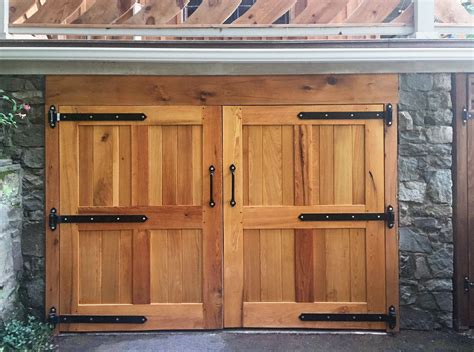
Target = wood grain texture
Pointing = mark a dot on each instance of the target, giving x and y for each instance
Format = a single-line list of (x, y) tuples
[(19, 8), (104, 12), (212, 220), (372, 11), (233, 231), (222, 90), (265, 12), (213, 12), (157, 11), (55, 11), (318, 11), (461, 199), (391, 235)]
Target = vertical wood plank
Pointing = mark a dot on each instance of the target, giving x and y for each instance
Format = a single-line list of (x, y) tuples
[(184, 190), (303, 149), (288, 265), (52, 238), (170, 156), (159, 266), (358, 257), (343, 164), (125, 166), (175, 266), (375, 249), (245, 165), (212, 219), (255, 157), (358, 165), (155, 162), (126, 267), (315, 166), (233, 230), (338, 280), (197, 164), (110, 274), (141, 267), (86, 164), (90, 267), (327, 165), (319, 257), (140, 165), (288, 164), (252, 266), (272, 165), (374, 151), (192, 269), (68, 241), (270, 266), (103, 166)]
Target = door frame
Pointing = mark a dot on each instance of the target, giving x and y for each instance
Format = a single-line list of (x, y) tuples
[(221, 91), (460, 213)]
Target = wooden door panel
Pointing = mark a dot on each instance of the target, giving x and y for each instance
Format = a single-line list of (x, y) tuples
[(279, 265), (167, 268)]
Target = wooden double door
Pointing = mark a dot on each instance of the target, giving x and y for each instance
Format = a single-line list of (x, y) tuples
[(190, 217)]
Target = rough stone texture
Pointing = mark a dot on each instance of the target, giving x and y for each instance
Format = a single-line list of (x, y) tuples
[(425, 201), (25, 145), (10, 238)]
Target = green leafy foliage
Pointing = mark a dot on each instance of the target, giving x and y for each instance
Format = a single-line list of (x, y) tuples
[(13, 110), (32, 335)]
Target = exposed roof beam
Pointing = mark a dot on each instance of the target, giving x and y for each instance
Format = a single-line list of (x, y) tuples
[(55, 11), (213, 11), (158, 11), (104, 11), (265, 12), (320, 11)]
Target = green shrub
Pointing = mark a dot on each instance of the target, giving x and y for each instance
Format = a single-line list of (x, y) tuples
[(32, 335)]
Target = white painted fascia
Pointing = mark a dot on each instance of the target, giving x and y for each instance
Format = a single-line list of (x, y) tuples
[(238, 55)]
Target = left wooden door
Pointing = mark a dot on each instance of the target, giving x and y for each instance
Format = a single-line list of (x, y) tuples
[(168, 268)]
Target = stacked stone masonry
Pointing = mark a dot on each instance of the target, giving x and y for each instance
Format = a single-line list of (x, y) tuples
[(425, 201), (425, 195)]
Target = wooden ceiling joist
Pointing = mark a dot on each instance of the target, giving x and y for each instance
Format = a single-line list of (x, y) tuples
[(451, 11), (213, 11), (265, 12), (158, 11), (104, 11), (373, 11), (320, 11), (55, 11), (406, 16), (19, 8)]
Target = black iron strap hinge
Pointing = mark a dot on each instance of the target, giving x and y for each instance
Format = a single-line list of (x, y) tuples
[(54, 116), (54, 318), (388, 217), (466, 115), (387, 115), (390, 318), (55, 219), (467, 284)]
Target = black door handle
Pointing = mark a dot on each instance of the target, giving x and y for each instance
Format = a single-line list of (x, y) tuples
[(212, 170), (232, 200)]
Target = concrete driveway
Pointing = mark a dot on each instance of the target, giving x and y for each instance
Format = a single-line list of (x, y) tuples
[(251, 340)]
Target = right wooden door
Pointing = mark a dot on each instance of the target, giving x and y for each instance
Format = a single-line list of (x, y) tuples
[(282, 168)]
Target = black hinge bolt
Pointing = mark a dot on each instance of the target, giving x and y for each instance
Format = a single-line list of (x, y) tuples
[(52, 316), (467, 284), (466, 115)]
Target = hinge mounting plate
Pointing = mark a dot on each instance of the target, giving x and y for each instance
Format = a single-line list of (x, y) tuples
[(467, 284), (466, 115), (54, 318)]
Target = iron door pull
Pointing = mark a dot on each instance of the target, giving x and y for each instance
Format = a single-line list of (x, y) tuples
[(212, 170), (232, 171)]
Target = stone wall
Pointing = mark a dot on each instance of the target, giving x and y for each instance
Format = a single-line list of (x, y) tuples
[(25, 145), (425, 201), (10, 238), (425, 193)]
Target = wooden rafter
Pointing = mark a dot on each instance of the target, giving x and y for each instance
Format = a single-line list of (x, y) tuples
[(55, 11), (158, 11), (19, 8), (104, 11), (451, 11), (373, 11), (320, 11), (265, 11), (406, 16), (213, 11)]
